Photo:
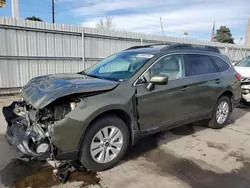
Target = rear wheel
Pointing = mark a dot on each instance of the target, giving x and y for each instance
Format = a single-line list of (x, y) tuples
[(221, 113), (104, 144)]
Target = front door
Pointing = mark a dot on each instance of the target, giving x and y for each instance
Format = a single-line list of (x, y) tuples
[(165, 103)]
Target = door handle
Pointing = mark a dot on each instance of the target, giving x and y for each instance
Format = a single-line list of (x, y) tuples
[(184, 88), (217, 81)]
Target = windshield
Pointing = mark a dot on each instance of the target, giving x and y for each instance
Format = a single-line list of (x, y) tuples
[(244, 63), (120, 66)]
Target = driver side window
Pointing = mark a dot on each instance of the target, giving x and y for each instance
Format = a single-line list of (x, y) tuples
[(171, 66)]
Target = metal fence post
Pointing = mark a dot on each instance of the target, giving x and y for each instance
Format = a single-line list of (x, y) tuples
[(241, 53), (141, 40), (83, 50)]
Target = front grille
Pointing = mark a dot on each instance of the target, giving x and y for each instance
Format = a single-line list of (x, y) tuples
[(245, 79)]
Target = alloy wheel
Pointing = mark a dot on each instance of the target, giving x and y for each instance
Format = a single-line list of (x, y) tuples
[(106, 144), (222, 112)]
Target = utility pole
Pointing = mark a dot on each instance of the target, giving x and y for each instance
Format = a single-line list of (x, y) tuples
[(162, 30), (15, 9), (53, 11)]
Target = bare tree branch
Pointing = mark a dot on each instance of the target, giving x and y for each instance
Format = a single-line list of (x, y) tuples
[(106, 23)]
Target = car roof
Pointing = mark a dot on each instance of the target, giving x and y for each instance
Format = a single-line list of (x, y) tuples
[(159, 48)]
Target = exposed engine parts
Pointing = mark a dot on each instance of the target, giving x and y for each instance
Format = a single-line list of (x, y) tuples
[(30, 130)]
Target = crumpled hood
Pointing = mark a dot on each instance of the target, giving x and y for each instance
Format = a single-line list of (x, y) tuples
[(42, 90), (244, 71)]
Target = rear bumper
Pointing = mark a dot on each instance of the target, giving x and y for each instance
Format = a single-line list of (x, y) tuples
[(246, 92), (246, 97)]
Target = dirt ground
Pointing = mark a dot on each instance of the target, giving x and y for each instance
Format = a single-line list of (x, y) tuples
[(192, 156)]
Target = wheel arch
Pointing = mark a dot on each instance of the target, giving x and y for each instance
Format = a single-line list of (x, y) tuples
[(229, 94), (123, 115), (120, 113)]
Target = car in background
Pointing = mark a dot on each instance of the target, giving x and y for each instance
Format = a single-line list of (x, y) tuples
[(243, 67), (94, 115)]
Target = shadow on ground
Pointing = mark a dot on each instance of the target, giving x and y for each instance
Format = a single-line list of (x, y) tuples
[(197, 177), (239, 112), (35, 174), (184, 169)]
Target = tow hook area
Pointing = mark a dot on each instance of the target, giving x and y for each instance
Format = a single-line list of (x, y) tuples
[(62, 171)]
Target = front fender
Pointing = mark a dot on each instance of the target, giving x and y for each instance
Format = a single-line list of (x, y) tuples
[(89, 108), (88, 114), (85, 112)]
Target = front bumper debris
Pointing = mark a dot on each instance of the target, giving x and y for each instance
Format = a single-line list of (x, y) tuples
[(20, 139), (19, 136), (27, 137)]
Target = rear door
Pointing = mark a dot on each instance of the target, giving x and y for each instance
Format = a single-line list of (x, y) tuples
[(206, 82)]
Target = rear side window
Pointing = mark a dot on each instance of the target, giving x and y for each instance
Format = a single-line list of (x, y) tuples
[(221, 64), (197, 64)]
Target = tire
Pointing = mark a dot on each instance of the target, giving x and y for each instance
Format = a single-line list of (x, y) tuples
[(214, 122), (111, 123)]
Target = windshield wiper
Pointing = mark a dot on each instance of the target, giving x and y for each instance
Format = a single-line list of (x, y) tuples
[(102, 77), (82, 73)]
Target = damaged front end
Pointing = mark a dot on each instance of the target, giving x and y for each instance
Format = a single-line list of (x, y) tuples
[(48, 123), (30, 130)]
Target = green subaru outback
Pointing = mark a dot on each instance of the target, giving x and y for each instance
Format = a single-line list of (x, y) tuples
[(93, 116)]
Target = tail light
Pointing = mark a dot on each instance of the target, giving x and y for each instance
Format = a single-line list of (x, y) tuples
[(238, 76)]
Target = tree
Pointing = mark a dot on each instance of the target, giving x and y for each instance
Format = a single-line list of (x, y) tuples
[(34, 18), (224, 35), (2, 3), (106, 23)]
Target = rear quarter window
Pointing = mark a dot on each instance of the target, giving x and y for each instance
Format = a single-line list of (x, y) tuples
[(197, 64), (221, 64)]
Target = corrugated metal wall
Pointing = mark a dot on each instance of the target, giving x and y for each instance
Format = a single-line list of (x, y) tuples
[(29, 49)]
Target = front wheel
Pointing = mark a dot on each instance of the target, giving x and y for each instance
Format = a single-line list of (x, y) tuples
[(221, 113), (104, 144)]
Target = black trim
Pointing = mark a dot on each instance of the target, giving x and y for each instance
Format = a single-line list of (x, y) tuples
[(214, 63), (236, 102), (171, 125), (71, 155)]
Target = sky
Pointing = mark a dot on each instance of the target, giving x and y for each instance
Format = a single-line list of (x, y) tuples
[(178, 16)]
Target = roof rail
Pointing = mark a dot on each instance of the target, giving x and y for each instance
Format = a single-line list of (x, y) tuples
[(150, 45), (180, 46), (191, 46), (135, 47)]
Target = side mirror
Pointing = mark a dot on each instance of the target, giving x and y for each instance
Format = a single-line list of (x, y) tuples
[(157, 80)]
